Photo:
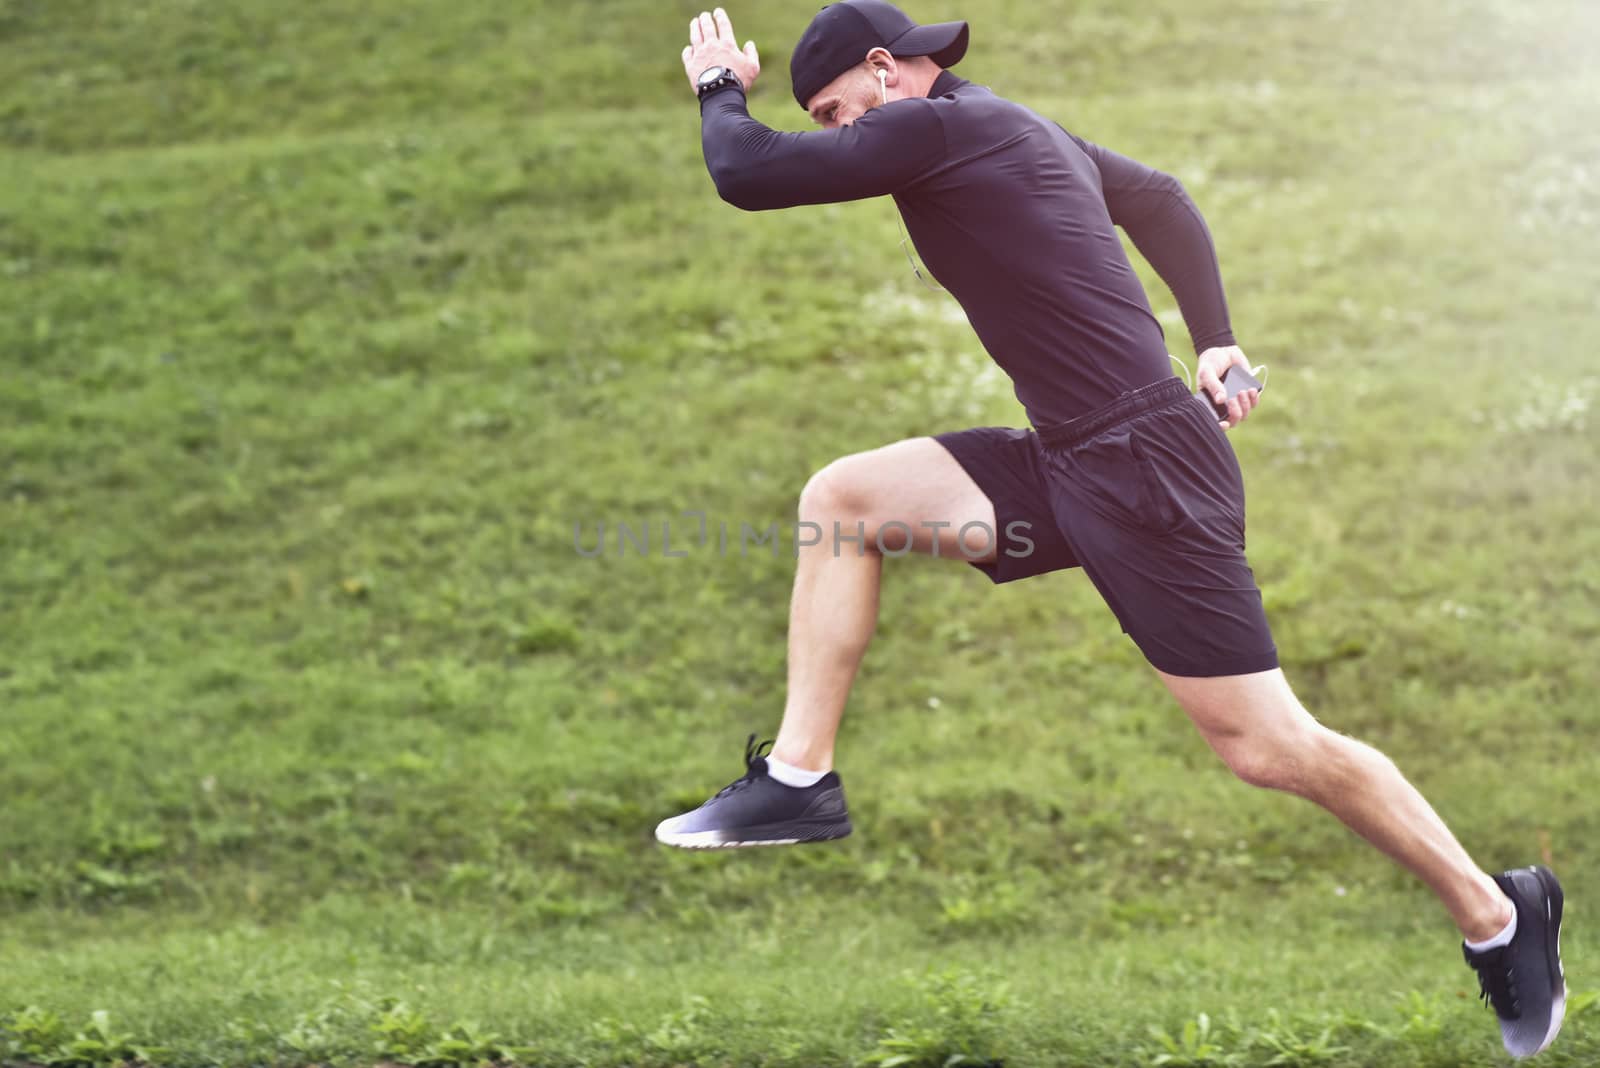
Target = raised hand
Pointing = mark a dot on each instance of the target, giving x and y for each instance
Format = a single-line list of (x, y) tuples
[(712, 44)]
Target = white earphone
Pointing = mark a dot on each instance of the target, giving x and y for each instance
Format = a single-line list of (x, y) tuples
[(883, 84)]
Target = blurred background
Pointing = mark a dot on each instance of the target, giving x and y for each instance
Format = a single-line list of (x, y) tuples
[(324, 325)]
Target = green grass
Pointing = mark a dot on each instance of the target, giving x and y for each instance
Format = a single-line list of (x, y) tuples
[(323, 325)]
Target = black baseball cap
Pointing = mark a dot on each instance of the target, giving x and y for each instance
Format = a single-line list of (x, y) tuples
[(842, 34)]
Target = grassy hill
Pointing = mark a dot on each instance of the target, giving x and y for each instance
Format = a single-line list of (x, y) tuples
[(325, 324)]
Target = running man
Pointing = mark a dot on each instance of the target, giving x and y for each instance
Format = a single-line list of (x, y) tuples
[(1123, 472)]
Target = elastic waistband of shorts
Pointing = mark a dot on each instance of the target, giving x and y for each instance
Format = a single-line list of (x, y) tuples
[(1136, 402)]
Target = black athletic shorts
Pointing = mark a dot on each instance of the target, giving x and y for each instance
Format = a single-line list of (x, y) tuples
[(1146, 496)]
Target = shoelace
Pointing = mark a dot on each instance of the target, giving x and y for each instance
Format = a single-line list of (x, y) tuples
[(1497, 982), (752, 753)]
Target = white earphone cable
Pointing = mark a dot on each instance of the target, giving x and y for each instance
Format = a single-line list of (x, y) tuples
[(905, 238), (1259, 370), (1188, 379)]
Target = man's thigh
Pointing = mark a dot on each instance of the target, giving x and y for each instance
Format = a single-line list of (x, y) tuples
[(911, 490), (1021, 532), (972, 495), (1259, 704)]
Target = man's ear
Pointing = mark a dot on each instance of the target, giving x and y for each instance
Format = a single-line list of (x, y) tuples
[(883, 64)]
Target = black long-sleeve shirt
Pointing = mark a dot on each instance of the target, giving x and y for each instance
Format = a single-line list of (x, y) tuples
[(1015, 217)]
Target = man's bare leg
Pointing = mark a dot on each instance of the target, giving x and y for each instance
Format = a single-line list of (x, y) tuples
[(895, 491), (1254, 722), (834, 608), (1259, 728)]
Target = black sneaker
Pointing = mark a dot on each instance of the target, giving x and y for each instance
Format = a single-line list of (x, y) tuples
[(758, 810), (1523, 980)]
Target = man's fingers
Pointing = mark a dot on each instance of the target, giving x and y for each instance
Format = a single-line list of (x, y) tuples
[(708, 26), (750, 54), (724, 26), (1239, 407), (696, 38)]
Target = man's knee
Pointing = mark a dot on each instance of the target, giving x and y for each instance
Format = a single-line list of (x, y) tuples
[(1287, 759), (834, 495)]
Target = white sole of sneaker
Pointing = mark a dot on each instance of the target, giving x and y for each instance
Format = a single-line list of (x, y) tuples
[(1557, 1011), (1559, 1008), (1558, 1003), (710, 840)]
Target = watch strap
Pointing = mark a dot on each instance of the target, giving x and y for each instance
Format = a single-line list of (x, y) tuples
[(726, 80)]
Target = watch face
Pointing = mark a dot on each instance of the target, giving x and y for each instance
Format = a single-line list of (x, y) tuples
[(711, 74)]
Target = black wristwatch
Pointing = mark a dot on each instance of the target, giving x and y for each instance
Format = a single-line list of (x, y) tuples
[(713, 78)]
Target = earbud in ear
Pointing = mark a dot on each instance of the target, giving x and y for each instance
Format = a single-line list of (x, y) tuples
[(883, 84)]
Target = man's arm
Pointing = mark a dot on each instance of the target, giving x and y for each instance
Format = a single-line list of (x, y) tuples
[(758, 168), (1168, 230)]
